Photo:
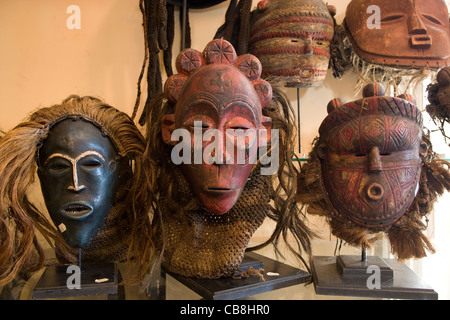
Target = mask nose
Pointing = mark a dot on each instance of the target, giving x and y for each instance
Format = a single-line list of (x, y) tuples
[(416, 25), (420, 39), (374, 159), (223, 155), (220, 154), (75, 187), (309, 49)]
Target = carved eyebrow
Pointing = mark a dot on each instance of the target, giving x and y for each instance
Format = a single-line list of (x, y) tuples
[(244, 103), (73, 161)]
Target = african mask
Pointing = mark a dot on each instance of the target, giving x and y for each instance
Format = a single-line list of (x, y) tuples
[(292, 40), (79, 173), (373, 171), (217, 93), (371, 152), (439, 101), (89, 159), (402, 34), (443, 79), (211, 209)]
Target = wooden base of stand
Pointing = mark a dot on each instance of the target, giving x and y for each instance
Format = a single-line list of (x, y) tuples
[(231, 289), (349, 276), (53, 282)]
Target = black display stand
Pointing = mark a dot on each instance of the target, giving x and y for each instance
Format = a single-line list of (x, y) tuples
[(231, 289), (348, 276), (53, 282)]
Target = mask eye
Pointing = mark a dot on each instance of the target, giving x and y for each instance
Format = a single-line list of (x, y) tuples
[(239, 128), (58, 167), (432, 19), (392, 18), (92, 163), (239, 123), (204, 124)]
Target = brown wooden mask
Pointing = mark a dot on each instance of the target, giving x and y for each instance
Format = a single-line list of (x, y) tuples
[(370, 152), (217, 90), (439, 101), (401, 33), (443, 94), (292, 40)]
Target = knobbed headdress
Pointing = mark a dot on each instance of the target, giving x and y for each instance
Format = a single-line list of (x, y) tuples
[(126, 232), (370, 172)]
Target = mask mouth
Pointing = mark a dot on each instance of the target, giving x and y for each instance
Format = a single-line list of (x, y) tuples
[(219, 190), (421, 41), (375, 191), (76, 211)]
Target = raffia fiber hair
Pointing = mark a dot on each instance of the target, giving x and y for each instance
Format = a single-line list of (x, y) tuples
[(286, 213), (158, 17), (406, 235), (19, 248)]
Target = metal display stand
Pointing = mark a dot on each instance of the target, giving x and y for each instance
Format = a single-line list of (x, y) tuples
[(347, 275), (231, 289)]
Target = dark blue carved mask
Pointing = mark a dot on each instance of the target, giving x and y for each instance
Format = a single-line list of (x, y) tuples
[(79, 174)]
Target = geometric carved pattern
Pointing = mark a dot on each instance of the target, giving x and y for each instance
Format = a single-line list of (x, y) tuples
[(351, 188), (374, 132), (371, 158)]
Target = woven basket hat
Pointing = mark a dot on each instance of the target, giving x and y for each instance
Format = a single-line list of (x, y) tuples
[(292, 41)]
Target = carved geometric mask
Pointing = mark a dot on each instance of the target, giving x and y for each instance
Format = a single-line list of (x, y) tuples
[(370, 152), (292, 41), (401, 33), (78, 171), (216, 90)]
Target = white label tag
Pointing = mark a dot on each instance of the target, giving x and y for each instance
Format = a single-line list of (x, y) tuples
[(62, 227)]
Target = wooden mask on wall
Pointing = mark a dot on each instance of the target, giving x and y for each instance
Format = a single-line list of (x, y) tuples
[(403, 34), (292, 40), (439, 100)]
